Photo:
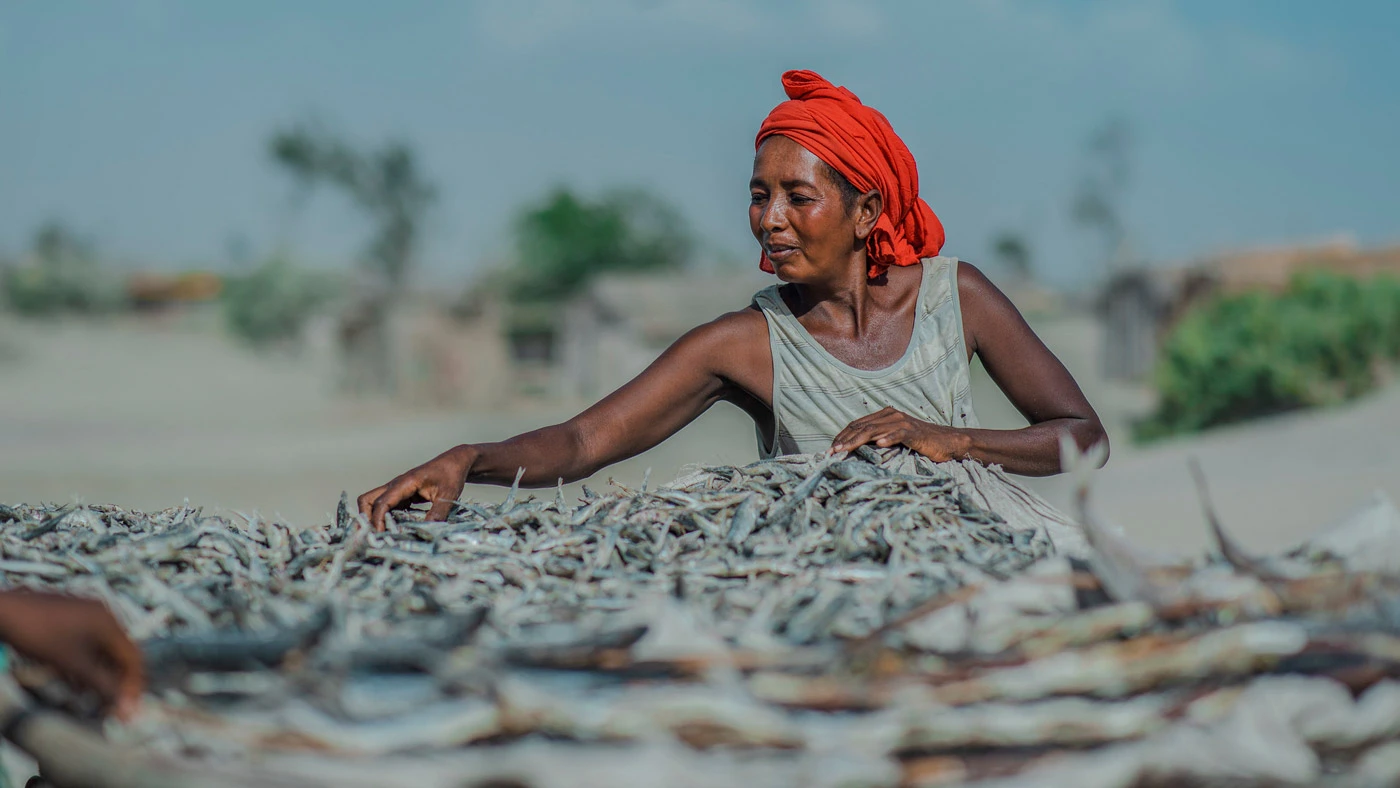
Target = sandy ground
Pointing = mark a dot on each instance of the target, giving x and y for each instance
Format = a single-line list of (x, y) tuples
[(150, 415)]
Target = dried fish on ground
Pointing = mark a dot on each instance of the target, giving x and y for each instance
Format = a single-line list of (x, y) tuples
[(841, 544), (857, 620)]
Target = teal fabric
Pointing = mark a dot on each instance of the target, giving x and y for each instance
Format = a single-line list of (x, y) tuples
[(5, 781)]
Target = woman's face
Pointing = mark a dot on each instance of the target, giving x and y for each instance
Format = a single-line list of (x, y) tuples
[(797, 214)]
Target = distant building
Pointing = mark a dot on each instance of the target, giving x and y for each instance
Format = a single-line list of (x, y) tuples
[(1138, 307), (150, 290)]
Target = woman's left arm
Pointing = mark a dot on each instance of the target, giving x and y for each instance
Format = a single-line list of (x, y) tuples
[(1030, 376), (1027, 372)]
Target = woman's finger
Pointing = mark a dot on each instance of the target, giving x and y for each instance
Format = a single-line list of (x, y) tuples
[(868, 429), (889, 438), (846, 431), (844, 437), (85, 669), (366, 501), (858, 437), (871, 418), (862, 421), (886, 419), (884, 413), (871, 427), (845, 440), (398, 492), (442, 506), (125, 656)]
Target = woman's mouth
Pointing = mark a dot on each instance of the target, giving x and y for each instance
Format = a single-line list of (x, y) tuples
[(780, 253)]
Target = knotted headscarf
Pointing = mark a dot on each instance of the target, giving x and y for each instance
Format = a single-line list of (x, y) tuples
[(858, 142)]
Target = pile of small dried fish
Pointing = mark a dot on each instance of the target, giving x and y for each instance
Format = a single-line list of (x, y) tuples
[(822, 621), (803, 547)]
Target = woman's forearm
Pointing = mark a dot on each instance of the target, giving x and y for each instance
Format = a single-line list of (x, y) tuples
[(1032, 450), (547, 455)]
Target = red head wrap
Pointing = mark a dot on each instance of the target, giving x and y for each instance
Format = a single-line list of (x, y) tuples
[(858, 142)]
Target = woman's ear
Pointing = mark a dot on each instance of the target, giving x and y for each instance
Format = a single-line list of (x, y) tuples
[(867, 212)]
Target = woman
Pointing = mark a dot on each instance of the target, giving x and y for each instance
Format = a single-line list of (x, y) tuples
[(868, 342)]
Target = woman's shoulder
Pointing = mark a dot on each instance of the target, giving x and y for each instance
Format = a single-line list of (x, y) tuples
[(739, 326), (733, 345), (986, 310), (973, 285)]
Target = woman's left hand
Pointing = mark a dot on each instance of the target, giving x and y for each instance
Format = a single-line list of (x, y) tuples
[(890, 427), (80, 639)]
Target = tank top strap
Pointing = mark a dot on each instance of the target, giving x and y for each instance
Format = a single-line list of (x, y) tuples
[(770, 301), (939, 288)]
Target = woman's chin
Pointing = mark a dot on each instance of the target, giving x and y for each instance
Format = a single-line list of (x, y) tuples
[(791, 272)]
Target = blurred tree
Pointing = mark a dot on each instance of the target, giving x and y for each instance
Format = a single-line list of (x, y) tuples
[(565, 240), (56, 244), (1098, 201), (1013, 252), (270, 304), (389, 185), (62, 276)]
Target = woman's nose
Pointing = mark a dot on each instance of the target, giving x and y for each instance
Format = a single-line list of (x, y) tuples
[(774, 215)]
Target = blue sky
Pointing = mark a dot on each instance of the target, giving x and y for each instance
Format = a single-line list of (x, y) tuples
[(143, 123)]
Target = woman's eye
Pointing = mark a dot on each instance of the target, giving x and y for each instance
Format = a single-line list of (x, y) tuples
[(756, 198), (799, 199)]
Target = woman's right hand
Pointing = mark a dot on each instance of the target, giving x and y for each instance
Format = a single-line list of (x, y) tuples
[(438, 481)]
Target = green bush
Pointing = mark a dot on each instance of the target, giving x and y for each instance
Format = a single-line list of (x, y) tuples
[(62, 276), (271, 304), (41, 291), (1326, 339)]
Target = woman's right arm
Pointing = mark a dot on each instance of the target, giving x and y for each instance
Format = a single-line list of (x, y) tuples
[(702, 367)]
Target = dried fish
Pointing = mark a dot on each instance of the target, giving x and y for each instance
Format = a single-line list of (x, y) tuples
[(873, 614)]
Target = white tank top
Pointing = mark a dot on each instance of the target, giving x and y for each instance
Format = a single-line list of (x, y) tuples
[(815, 395)]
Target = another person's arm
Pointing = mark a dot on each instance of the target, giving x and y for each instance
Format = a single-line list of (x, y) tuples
[(1025, 369), (701, 368), (78, 638)]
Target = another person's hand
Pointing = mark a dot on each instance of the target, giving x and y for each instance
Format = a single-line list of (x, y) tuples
[(438, 482), (890, 427), (78, 638)]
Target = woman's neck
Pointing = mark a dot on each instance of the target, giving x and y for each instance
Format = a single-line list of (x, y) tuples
[(845, 302)]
